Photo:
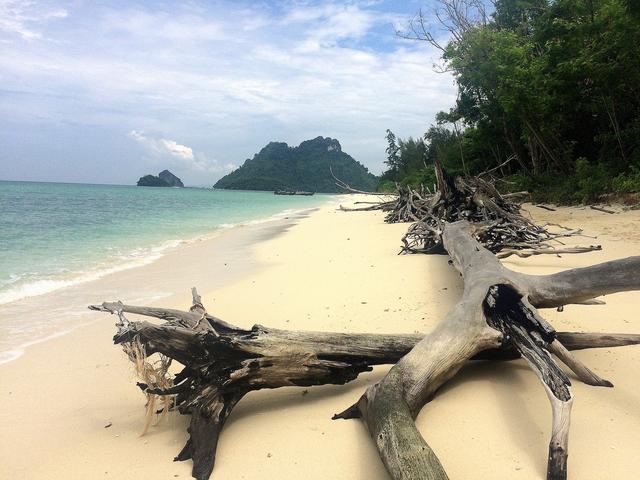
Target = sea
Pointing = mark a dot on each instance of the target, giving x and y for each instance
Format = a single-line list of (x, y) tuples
[(57, 235)]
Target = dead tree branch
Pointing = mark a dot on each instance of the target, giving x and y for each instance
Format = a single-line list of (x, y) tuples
[(221, 363), (496, 318), (497, 310), (349, 189)]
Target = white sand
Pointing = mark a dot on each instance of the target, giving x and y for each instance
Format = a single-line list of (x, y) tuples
[(332, 271)]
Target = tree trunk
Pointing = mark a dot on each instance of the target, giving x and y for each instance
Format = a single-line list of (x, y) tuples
[(497, 310), (223, 362), (496, 318)]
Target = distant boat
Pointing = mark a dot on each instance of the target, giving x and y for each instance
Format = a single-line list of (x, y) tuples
[(292, 192)]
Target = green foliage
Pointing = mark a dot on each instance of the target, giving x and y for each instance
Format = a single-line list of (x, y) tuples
[(393, 152), (386, 186), (404, 157), (552, 84), (627, 183), (592, 180), (586, 184), (425, 177), (305, 167), (152, 181)]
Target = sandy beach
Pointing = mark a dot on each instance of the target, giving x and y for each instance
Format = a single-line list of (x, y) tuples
[(332, 271)]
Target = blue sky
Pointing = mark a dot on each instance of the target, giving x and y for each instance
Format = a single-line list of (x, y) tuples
[(106, 91)]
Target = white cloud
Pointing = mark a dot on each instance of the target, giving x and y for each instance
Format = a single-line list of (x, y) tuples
[(181, 156), (163, 147), (177, 150), (151, 26), (21, 17), (225, 77)]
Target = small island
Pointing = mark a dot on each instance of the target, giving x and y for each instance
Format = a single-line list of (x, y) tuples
[(164, 179)]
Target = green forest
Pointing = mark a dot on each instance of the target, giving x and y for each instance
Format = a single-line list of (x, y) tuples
[(548, 97)]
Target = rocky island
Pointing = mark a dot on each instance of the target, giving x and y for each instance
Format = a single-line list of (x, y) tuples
[(164, 179), (303, 168)]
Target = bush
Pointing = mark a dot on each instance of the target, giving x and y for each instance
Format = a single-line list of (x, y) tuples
[(386, 186), (426, 177), (586, 184), (627, 183)]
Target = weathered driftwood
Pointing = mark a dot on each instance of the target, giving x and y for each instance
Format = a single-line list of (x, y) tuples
[(375, 206), (501, 227), (600, 209), (221, 362), (498, 309)]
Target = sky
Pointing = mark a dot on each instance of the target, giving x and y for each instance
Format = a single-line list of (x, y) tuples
[(108, 91)]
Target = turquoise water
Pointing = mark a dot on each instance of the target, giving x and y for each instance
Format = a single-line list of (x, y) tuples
[(53, 234)]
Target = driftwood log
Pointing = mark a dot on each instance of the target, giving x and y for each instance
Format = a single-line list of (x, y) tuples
[(501, 227), (222, 363), (476, 225), (498, 310)]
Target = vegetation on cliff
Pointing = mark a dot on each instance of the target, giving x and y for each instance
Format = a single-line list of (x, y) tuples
[(305, 167), (164, 179)]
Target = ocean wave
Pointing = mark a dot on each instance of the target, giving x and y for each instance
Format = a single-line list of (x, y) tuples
[(133, 259), (16, 352), (125, 261)]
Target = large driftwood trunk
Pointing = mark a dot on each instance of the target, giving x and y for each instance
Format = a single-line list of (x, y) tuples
[(221, 363), (497, 310)]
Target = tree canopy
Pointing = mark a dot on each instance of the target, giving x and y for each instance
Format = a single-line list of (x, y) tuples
[(553, 86)]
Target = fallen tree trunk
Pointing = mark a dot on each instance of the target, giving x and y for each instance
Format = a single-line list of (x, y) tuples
[(222, 363), (497, 310)]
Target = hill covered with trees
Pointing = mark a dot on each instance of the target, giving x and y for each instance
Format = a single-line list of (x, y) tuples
[(164, 179), (550, 90), (305, 167)]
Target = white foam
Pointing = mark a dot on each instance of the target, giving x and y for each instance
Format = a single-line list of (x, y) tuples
[(16, 352), (133, 259), (10, 355)]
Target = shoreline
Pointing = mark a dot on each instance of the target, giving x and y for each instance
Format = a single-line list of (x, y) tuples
[(79, 286), (328, 271), (131, 259)]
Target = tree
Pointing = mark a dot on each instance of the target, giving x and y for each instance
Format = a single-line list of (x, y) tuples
[(393, 157), (548, 83)]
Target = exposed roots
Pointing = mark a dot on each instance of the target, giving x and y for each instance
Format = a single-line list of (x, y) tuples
[(152, 375), (223, 362), (498, 223)]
